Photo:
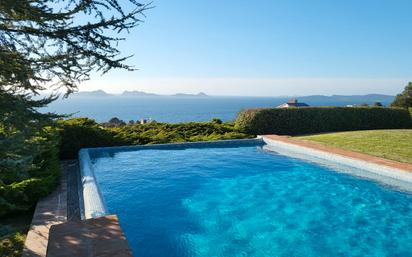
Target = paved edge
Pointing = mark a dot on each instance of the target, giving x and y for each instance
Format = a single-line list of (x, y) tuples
[(49, 211), (350, 154), (99, 237)]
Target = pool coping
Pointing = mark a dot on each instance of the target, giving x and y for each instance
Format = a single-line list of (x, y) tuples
[(92, 203), (339, 151), (377, 165)]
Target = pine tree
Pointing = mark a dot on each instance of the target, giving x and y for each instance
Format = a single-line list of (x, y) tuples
[(50, 44)]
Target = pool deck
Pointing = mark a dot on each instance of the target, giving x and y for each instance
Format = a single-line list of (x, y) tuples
[(57, 229), (349, 154)]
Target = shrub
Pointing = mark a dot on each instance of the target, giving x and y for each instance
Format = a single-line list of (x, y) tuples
[(37, 180), (12, 245), (80, 133), (295, 121), (217, 121)]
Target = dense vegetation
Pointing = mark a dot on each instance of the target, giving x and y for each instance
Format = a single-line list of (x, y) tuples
[(52, 44), (298, 121), (12, 244), (82, 132), (27, 173), (394, 144)]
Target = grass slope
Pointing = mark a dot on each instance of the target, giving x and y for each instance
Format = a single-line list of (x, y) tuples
[(394, 144)]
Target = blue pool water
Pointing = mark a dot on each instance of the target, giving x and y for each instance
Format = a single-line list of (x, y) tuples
[(245, 201)]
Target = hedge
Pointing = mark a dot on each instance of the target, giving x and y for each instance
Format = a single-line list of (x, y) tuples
[(308, 120)]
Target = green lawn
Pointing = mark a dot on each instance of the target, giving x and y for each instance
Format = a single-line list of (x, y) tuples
[(394, 144)]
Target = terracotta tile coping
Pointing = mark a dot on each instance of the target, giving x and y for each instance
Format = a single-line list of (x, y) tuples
[(354, 155), (92, 238)]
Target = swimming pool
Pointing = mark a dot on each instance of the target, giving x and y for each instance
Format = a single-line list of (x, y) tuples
[(240, 199)]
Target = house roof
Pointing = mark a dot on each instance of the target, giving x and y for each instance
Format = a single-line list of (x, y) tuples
[(292, 103)]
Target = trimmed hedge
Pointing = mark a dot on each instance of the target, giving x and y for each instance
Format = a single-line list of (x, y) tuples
[(308, 120)]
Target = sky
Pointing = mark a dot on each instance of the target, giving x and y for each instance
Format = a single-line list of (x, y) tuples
[(267, 48)]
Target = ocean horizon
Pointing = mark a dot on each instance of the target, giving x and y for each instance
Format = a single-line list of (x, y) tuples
[(175, 109)]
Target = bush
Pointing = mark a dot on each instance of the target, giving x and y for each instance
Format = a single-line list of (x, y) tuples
[(12, 245), (82, 133), (217, 121), (37, 180), (296, 121)]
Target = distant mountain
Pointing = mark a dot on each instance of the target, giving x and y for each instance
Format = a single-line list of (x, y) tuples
[(340, 100), (201, 94), (313, 100), (142, 93), (96, 93), (137, 93), (134, 93)]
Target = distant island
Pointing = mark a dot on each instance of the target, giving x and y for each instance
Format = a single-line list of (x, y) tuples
[(331, 100), (137, 93), (134, 93), (347, 99), (99, 93), (201, 94)]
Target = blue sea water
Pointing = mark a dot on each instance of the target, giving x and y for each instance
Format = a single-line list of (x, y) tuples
[(164, 109), (178, 109), (246, 201)]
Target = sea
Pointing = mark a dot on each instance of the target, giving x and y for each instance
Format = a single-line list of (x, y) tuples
[(175, 109)]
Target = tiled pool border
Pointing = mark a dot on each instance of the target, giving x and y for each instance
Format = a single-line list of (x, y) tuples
[(93, 205)]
